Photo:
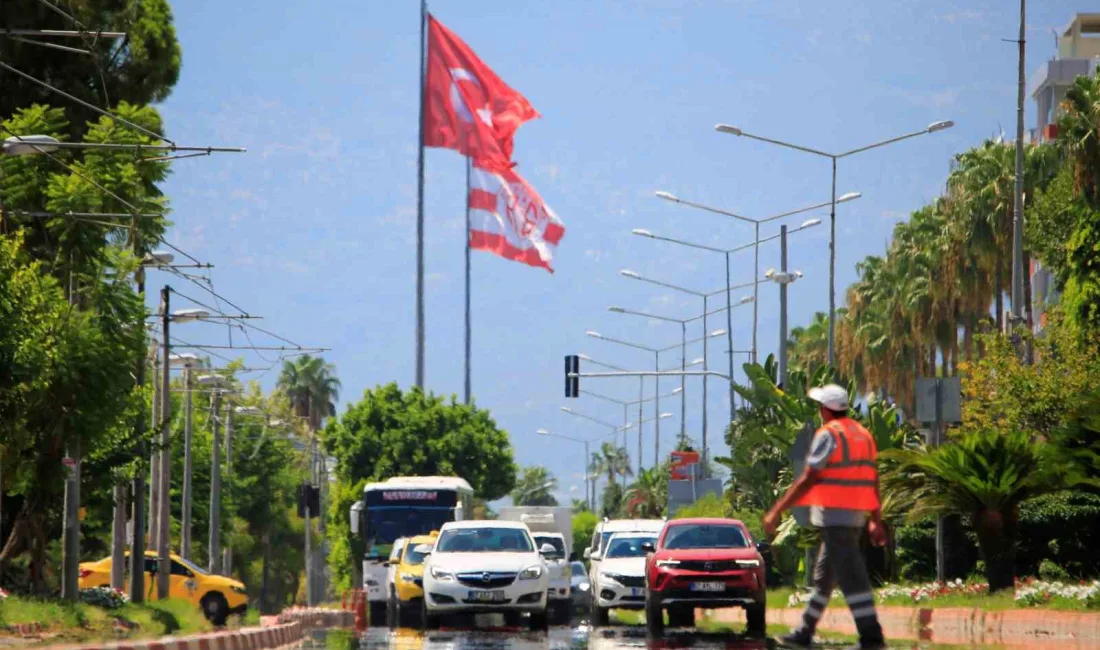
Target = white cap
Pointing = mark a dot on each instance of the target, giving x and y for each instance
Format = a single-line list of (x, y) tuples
[(830, 396)]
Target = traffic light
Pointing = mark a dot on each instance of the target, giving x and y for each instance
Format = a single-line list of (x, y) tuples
[(572, 383), (309, 495)]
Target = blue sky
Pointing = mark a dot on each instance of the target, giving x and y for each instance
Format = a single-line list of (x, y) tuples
[(314, 227)]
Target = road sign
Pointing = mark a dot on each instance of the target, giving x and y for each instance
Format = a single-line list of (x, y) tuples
[(947, 392), (68, 462)]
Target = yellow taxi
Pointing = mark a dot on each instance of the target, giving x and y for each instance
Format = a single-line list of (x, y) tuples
[(218, 596), (408, 582)]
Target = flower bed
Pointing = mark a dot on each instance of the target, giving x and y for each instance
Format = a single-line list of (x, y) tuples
[(3, 594), (104, 597), (1029, 592)]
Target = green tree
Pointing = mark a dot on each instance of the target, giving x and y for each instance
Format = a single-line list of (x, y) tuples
[(584, 526), (393, 433), (535, 486), (612, 461), (647, 496), (312, 387), (140, 69), (984, 475)]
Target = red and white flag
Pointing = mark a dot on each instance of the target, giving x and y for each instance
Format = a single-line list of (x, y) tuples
[(466, 105), (509, 218)]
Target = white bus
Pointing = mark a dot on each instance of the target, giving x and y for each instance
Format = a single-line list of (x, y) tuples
[(402, 506)]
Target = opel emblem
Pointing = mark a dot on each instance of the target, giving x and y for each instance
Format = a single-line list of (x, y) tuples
[(485, 577)]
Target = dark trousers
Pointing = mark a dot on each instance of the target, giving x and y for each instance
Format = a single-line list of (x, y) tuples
[(839, 560)]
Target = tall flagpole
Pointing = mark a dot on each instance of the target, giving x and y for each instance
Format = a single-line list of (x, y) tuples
[(468, 334), (420, 207)]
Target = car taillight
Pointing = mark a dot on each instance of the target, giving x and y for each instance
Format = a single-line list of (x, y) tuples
[(84, 573)]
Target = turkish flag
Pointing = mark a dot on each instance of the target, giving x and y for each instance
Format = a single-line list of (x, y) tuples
[(466, 106)]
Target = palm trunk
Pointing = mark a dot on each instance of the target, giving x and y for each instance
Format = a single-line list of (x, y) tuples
[(1000, 299), (996, 532), (968, 337)]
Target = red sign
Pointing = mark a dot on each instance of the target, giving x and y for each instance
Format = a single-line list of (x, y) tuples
[(407, 495), (681, 460), (68, 462)]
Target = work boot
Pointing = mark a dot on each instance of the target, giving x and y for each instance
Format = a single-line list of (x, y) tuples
[(797, 639)]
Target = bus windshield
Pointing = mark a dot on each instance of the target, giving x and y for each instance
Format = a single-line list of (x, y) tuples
[(385, 524)]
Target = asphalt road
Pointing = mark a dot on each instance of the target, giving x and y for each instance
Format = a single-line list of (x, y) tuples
[(579, 636)]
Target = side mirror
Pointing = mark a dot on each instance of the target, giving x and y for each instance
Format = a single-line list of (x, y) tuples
[(572, 557), (763, 547), (547, 549), (423, 549), (648, 547), (587, 552)]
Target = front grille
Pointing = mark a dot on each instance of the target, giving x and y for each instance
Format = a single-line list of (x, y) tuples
[(494, 581), (633, 599), (488, 603), (629, 581), (709, 566)]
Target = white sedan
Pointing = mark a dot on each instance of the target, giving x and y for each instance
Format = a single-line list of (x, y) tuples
[(485, 567), (620, 581)]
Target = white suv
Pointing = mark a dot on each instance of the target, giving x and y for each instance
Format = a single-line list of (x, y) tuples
[(559, 576), (485, 567), (620, 580)]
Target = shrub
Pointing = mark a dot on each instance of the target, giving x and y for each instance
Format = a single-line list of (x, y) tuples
[(104, 597), (1050, 571)]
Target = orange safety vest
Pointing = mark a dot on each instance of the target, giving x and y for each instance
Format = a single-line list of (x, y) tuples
[(848, 481)]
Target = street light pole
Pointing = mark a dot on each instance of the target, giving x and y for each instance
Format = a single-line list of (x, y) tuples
[(164, 550), (833, 157), (213, 544), (589, 482), (783, 309)]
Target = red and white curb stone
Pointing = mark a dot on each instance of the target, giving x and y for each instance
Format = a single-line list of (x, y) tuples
[(256, 638), (311, 617)]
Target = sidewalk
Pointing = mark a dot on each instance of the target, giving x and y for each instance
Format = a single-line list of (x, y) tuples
[(1018, 628)]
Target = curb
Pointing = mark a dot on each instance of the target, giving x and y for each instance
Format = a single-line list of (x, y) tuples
[(1023, 628), (316, 617), (25, 629), (256, 638)]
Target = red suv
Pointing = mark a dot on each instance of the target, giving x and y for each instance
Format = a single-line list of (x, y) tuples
[(708, 563)]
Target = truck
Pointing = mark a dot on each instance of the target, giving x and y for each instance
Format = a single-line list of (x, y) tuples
[(551, 525)]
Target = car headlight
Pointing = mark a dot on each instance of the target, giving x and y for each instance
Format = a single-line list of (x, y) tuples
[(748, 563), (531, 573), (668, 563), (238, 589), (584, 586), (609, 576), (441, 575), (408, 577)]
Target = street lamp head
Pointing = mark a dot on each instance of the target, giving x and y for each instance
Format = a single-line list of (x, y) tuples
[(769, 273), (185, 359), (248, 410), (728, 129), (616, 309), (542, 432), (29, 145), (665, 415), (940, 126), (158, 258), (721, 332), (668, 196), (746, 300), (677, 390), (798, 274), (629, 274), (185, 315), (810, 223), (584, 357), (850, 196), (697, 361), (567, 409), (641, 231), (593, 334), (211, 380)]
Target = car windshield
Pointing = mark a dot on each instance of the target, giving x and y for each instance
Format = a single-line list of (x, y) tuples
[(578, 568), (484, 540), (557, 542), (413, 558), (191, 565), (687, 536), (628, 546), (606, 536)]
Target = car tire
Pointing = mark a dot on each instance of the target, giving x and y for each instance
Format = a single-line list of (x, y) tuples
[(540, 621), (681, 616), (756, 617), (654, 615), (428, 621), (600, 615), (215, 608), (392, 615)]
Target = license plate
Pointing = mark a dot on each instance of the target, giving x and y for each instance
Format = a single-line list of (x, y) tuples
[(486, 596), (708, 586), (636, 591)]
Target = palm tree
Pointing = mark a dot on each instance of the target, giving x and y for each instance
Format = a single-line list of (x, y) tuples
[(647, 496), (312, 387), (1079, 135), (535, 486), (611, 460), (985, 476)]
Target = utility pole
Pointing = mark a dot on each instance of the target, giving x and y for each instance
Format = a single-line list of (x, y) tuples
[(70, 542), (227, 552), (213, 544), (154, 457), (185, 515), (137, 496), (164, 550), (782, 308), (1018, 200), (309, 549)]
